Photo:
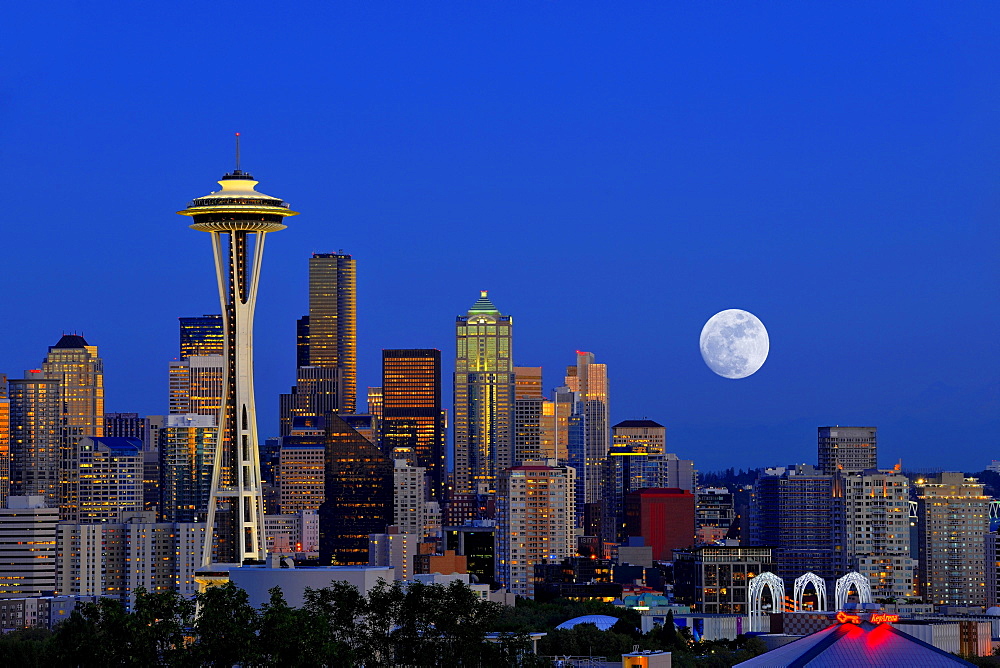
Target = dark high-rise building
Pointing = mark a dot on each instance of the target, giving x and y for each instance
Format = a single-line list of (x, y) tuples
[(332, 323), (847, 449), (484, 397), (127, 425), (411, 410), (359, 497), (664, 517), (796, 514), (313, 396), (302, 341), (201, 336)]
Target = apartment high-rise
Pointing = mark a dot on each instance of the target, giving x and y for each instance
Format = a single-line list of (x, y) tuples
[(954, 520), (876, 534), (535, 521), (35, 418), (332, 324), (201, 336), (847, 449), (484, 397), (238, 217), (127, 425), (411, 404)]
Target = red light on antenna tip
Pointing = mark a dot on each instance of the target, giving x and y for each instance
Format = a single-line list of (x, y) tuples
[(237, 134)]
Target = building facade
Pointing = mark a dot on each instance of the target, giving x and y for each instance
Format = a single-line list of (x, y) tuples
[(716, 579), (332, 325), (35, 456), (27, 547), (589, 449), (663, 517), (186, 456), (196, 385), (484, 397), (110, 479), (201, 336)]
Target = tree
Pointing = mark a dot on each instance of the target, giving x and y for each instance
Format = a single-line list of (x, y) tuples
[(330, 624), (226, 627)]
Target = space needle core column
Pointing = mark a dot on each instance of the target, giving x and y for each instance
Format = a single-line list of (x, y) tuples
[(238, 218)]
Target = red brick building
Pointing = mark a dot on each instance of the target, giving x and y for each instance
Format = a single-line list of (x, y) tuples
[(663, 516)]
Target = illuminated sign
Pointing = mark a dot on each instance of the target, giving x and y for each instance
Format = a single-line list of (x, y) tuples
[(874, 618)]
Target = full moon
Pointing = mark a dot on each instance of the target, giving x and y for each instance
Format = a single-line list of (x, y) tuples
[(734, 343)]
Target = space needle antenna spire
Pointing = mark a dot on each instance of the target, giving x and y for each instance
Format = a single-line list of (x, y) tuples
[(237, 151)]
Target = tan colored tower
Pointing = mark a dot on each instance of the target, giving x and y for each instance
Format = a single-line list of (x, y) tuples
[(333, 326), (238, 218)]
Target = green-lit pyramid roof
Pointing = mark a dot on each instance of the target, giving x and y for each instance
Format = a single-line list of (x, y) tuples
[(484, 305)]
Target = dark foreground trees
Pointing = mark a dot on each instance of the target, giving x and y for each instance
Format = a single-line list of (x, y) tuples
[(417, 625)]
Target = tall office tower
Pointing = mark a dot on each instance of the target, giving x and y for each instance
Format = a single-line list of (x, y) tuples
[(187, 454), (238, 218), (314, 394), (196, 385), (647, 435), (590, 382), (4, 440), (714, 513), (375, 403), (202, 336), (358, 501), (954, 520), (484, 397), (663, 517), (795, 513), (555, 423), (529, 411), (411, 404), (80, 372), (636, 461), (876, 516), (847, 449), (536, 518), (28, 547), (333, 329), (302, 341), (127, 425), (35, 417), (301, 475), (110, 479)]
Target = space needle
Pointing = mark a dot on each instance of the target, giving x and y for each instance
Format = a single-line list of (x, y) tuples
[(238, 218)]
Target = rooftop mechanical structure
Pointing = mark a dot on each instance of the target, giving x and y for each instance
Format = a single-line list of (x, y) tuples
[(238, 218)]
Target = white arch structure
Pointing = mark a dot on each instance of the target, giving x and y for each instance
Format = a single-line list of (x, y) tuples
[(802, 584), (859, 582), (776, 585)]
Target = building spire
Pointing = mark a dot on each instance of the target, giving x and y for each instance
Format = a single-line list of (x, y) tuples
[(237, 152), (483, 304)]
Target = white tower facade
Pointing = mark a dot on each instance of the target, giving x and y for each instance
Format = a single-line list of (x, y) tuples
[(238, 218)]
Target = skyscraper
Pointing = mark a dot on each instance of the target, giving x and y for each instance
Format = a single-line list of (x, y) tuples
[(484, 397), (847, 449), (529, 409), (80, 372), (359, 499), (954, 520), (201, 336), (186, 455), (35, 417), (238, 218), (110, 479), (333, 329), (196, 385), (593, 439), (411, 404)]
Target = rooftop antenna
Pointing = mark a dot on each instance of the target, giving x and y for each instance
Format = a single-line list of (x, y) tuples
[(237, 152)]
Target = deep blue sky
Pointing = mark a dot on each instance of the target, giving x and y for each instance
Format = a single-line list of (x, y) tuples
[(613, 174)]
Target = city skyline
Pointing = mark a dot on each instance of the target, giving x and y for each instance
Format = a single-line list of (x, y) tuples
[(849, 199)]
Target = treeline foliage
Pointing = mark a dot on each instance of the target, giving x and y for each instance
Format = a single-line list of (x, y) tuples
[(730, 478), (420, 625), (588, 640)]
